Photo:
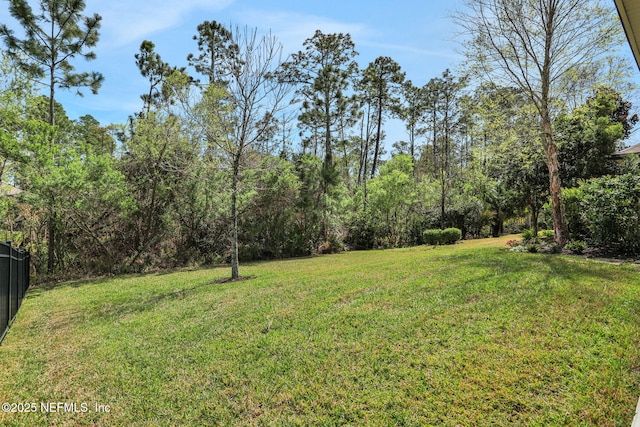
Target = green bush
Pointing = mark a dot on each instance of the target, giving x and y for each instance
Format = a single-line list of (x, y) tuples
[(611, 208), (572, 198), (447, 236), (547, 234), (514, 227), (450, 236), (362, 233), (528, 235), (431, 237), (577, 246)]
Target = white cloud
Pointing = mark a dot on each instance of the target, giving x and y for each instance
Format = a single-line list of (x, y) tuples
[(443, 53), (292, 29), (125, 21)]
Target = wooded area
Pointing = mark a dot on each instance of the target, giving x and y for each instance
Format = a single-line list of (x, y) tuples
[(244, 153)]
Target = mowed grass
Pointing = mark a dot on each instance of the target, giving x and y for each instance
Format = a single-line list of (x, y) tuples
[(464, 335)]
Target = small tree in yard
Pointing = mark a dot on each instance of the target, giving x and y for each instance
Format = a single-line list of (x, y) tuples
[(239, 114)]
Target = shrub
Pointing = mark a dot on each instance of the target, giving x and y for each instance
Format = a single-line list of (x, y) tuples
[(551, 248), (610, 208), (514, 227), (450, 236), (431, 237), (447, 236), (572, 199), (331, 246), (528, 235), (577, 246), (547, 234), (513, 243), (362, 233)]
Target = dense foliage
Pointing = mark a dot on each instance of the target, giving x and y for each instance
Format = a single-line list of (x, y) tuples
[(213, 171), (610, 213)]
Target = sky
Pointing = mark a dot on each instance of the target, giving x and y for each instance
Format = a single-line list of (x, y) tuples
[(418, 35)]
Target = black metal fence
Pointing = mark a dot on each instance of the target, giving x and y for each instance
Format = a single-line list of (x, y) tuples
[(14, 282)]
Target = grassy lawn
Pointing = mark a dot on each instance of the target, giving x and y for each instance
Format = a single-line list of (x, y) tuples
[(465, 335)]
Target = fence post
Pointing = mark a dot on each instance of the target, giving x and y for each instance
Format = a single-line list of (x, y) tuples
[(13, 282), (20, 275), (5, 299)]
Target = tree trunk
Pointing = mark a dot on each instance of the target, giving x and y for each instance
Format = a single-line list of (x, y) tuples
[(435, 138), (443, 194), (412, 148), (51, 243), (328, 152), (560, 228), (561, 231), (378, 136), (535, 213), (365, 154), (234, 219)]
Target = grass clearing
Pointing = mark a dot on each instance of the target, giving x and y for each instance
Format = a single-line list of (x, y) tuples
[(459, 335)]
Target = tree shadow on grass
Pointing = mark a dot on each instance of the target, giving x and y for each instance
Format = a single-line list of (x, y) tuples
[(556, 266), (232, 280), (148, 299), (103, 279), (489, 265)]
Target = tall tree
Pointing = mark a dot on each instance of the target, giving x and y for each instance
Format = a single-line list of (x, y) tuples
[(431, 97), (539, 46), (15, 93), (411, 111), (157, 154), (442, 97), (508, 151), (381, 81), (216, 46), (324, 72), (591, 133), (156, 71), (53, 37), (450, 113), (367, 131)]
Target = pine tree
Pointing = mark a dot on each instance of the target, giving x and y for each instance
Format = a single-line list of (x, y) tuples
[(53, 37)]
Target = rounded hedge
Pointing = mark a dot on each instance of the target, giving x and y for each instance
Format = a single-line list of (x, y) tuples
[(447, 236)]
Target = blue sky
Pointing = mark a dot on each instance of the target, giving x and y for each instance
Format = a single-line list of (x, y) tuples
[(417, 34)]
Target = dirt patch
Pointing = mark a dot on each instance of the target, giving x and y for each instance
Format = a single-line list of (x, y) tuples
[(230, 280)]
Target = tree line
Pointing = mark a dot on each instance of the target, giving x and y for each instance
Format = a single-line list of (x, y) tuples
[(244, 153)]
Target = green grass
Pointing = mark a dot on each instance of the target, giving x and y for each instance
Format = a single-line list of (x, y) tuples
[(467, 335)]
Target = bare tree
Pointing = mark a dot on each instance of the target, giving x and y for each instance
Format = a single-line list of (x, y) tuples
[(239, 115), (540, 46)]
